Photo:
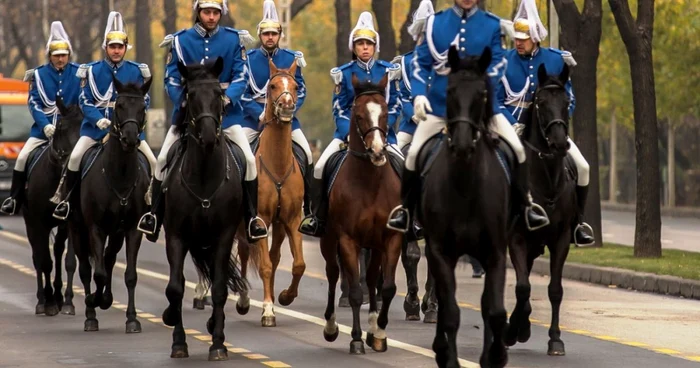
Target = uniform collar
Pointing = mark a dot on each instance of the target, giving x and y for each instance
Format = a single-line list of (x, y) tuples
[(113, 65), (530, 56), (366, 66), (203, 32), (264, 52), (56, 69), (460, 12)]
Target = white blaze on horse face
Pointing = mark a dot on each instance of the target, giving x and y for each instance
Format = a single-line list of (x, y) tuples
[(375, 110)]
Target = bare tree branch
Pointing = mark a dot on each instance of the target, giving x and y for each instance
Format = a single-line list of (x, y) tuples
[(298, 6), (623, 18)]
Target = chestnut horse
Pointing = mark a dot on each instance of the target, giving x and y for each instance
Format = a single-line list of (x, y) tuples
[(365, 191), (280, 193)]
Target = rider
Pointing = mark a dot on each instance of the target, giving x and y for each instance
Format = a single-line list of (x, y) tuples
[(254, 98), (520, 82), (471, 30), (364, 43), (97, 102), (55, 78), (202, 43)]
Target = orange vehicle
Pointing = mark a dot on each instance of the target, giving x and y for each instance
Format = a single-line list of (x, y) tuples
[(15, 125)]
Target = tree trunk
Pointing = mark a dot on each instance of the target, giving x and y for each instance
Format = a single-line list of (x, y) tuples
[(170, 26), (144, 52), (581, 36), (637, 36), (382, 10), (612, 195), (671, 166), (298, 6), (342, 19), (407, 44)]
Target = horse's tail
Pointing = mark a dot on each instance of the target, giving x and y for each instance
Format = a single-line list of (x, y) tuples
[(252, 250), (203, 260)]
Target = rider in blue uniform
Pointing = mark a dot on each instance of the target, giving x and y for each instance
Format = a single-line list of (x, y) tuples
[(97, 102), (471, 30), (520, 82), (203, 43), (364, 43), (55, 78), (255, 96)]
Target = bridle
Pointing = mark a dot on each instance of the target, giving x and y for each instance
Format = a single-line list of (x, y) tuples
[(550, 124), (119, 124), (364, 134), (479, 128), (275, 103), (193, 120)]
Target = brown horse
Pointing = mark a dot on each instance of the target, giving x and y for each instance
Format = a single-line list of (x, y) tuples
[(365, 191), (280, 193)]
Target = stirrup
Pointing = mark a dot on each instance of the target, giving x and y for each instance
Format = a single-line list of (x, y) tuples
[(143, 218), (584, 226), (396, 210), (540, 211), (62, 218), (250, 227), (14, 205)]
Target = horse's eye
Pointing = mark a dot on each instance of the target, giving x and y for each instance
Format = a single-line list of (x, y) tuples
[(273, 87)]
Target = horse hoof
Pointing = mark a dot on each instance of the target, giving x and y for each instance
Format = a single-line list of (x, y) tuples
[(210, 326), (268, 321), (430, 317), (106, 301), (378, 345), (40, 309), (330, 337), (524, 333), (218, 355), (241, 309), (511, 335), (424, 305), (133, 326), (171, 318), (91, 301), (68, 310), (370, 339), (556, 348), (285, 298), (179, 351), (412, 310), (357, 348), (344, 302), (51, 310), (198, 304), (207, 301), (91, 325)]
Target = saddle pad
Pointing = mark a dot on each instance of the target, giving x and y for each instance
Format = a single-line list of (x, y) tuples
[(298, 151), (34, 157), (333, 165), (571, 169), (506, 157), (177, 151), (427, 154), (96, 150)]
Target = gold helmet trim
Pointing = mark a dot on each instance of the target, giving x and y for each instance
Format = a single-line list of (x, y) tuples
[(117, 37), (58, 46), (366, 34), (521, 25), (218, 4), (270, 26)]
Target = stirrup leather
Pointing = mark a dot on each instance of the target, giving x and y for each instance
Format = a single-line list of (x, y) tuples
[(540, 211), (583, 226), (147, 215), (250, 228), (396, 210), (62, 218)]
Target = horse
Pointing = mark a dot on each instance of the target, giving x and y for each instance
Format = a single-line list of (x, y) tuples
[(364, 193), (552, 183), (206, 197), (464, 209), (280, 193), (111, 199), (47, 162)]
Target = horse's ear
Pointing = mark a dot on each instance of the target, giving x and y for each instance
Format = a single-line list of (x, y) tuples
[(485, 60), (146, 86), (182, 69), (564, 75), (382, 83), (273, 67), (453, 58), (117, 84), (541, 74), (293, 69), (355, 81), (218, 66), (61, 106)]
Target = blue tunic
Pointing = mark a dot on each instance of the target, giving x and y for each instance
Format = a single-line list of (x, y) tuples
[(46, 83)]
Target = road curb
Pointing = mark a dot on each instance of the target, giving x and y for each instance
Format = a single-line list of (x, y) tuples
[(680, 212), (624, 279)]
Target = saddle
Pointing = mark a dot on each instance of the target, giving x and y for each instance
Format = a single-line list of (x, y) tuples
[(335, 162), (177, 152), (96, 150), (34, 157), (298, 151)]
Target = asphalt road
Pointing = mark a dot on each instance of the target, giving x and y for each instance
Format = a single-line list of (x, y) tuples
[(602, 327), (676, 232)]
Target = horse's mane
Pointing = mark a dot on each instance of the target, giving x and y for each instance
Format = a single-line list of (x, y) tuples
[(368, 87), (131, 88)]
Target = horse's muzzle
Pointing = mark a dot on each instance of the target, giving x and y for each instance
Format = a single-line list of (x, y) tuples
[(377, 159)]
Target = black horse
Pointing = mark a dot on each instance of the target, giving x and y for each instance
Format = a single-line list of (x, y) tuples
[(46, 167), (464, 209), (111, 200), (203, 199), (553, 182)]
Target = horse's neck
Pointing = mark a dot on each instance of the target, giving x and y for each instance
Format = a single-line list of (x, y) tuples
[(120, 164), (276, 147), (200, 168)]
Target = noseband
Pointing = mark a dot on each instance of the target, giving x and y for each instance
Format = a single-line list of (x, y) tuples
[(193, 120), (119, 124), (364, 134), (480, 129), (275, 103), (552, 122)]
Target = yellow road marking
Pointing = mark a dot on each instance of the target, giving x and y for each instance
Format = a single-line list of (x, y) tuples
[(276, 364), (255, 356), (238, 350), (190, 331), (146, 315)]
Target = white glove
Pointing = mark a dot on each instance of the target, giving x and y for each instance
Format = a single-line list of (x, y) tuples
[(421, 107), (519, 128), (227, 101), (261, 118), (49, 130), (103, 123)]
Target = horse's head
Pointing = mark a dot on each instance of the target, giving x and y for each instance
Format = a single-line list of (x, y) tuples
[(281, 94), (370, 115), (129, 119), (468, 101), (67, 129), (551, 106), (205, 102)]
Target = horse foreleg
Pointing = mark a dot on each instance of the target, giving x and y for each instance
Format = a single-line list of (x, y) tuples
[(97, 249), (519, 327), (442, 268), (296, 245), (558, 254), (71, 265), (265, 271), (219, 293), (133, 244), (390, 259), (349, 252), (41, 259), (59, 246), (172, 315), (243, 303), (278, 234), (429, 306), (493, 310), (410, 256), (329, 250), (373, 269), (200, 291), (114, 245)]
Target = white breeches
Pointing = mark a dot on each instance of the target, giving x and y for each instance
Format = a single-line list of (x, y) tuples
[(250, 133), (501, 126), (146, 150), (297, 137), (581, 165), (32, 143), (76, 156), (332, 148), (236, 134), (170, 139), (403, 139)]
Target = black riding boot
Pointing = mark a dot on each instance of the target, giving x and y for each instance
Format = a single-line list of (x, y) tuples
[(13, 203), (307, 189), (63, 209), (255, 227), (400, 217), (314, 224), (581, 237), (535, 215), (151, 222)]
